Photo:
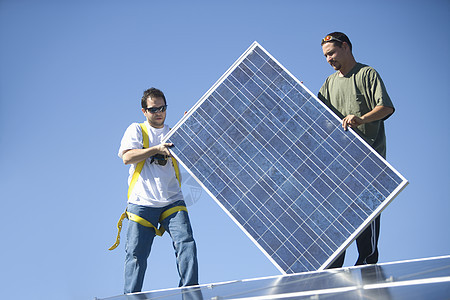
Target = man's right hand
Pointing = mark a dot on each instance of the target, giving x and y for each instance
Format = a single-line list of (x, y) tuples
[(163, 149)]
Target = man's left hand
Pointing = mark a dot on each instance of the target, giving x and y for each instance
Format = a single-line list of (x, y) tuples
[(352, 121)]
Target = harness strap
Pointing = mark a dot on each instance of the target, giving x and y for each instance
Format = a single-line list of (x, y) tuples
[(140, 165), (169, 212), (177, 170), (119, 229), (134, 178), (144, 222)]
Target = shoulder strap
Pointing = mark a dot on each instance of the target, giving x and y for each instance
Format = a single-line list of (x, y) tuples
[(177, 170), (140, 165), (145, 139)]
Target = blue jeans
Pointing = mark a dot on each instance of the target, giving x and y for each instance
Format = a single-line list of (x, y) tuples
[(140, 239)]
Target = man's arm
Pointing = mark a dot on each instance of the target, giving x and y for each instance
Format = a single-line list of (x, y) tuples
[(134, 156), (378, 113)]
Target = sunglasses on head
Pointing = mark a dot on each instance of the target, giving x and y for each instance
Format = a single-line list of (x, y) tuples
[(330, 38)]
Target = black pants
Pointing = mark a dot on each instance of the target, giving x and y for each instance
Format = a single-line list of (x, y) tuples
[(367, 243)]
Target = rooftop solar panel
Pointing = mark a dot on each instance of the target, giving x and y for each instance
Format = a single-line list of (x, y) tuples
[(416, 279), (280, 165)]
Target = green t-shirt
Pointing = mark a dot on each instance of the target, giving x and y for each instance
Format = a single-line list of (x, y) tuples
[(357, 93)]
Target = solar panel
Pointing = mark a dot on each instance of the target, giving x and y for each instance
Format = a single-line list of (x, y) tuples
[(278, 162), (416, 279)]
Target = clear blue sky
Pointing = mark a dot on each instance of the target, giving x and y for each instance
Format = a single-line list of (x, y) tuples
[(71, 78)]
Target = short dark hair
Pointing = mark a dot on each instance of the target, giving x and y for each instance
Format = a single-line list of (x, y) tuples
[(153, 93), (339, 38)]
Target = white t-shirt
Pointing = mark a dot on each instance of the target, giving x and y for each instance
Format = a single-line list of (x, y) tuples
[(157, 185)]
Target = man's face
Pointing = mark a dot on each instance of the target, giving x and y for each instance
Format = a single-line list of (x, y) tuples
[(156, 119), (336, 56)]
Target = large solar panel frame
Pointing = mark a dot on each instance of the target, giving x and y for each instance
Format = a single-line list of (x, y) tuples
[(278, 162)]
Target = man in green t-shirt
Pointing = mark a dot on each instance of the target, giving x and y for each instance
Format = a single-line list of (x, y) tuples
[(358, 96)]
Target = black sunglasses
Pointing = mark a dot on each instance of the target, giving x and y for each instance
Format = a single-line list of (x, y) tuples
[(154, 110)]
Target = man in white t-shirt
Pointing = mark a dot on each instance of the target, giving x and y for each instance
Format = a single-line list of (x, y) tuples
[(155, 193)]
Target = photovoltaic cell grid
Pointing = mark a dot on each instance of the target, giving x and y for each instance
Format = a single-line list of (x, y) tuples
[(280, 164)]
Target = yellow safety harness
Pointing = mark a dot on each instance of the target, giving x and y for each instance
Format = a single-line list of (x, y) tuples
[(133, 217)]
